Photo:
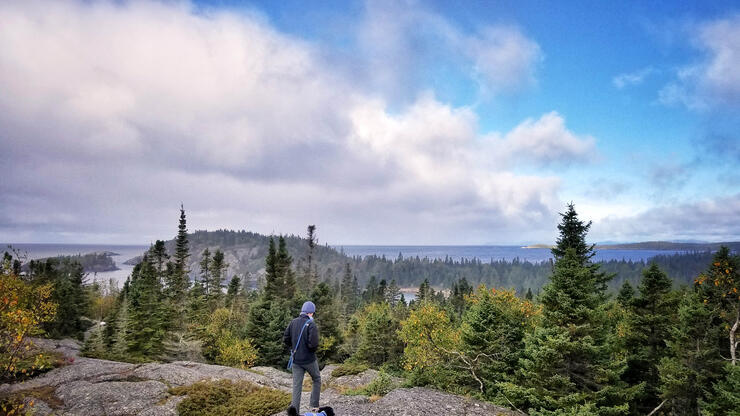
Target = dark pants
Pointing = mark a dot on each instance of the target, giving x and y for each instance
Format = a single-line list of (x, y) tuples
[(299, 370)]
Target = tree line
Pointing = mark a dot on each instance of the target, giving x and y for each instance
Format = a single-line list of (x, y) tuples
[(571, 347)]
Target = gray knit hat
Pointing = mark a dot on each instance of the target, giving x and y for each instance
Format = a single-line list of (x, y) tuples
[(308, 307)]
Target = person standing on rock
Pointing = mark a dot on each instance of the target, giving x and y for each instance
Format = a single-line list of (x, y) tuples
[(302, 337)]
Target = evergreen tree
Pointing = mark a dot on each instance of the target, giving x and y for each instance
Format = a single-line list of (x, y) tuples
[(273, 286), (425, 292), (284, 265), (694, 363), (67, 279), (529, 296), (378, 332), (371, 290), (119, 335), (327, 321), (266, 323), (233, 291), (147, 324), (159, 256), (197, 306), (347, 291), (393, 293), (699, 343), (573, 236), (178, 275), (568, 364), (726, 397), (626, 294), (460, 290), (492, 333), (309, 277), (205, 271), (651, 320), (218, 271)]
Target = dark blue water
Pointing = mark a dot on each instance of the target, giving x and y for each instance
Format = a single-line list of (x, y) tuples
[(488, 253)]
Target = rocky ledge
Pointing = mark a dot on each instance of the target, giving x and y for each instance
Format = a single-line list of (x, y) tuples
[(88, 387)]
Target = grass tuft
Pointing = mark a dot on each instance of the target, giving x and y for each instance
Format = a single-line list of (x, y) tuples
[(228, 398)]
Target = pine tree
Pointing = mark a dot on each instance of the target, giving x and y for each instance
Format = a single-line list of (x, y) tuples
[(529, 296)]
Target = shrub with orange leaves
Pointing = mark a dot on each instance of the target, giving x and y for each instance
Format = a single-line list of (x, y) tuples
[(23, 308)]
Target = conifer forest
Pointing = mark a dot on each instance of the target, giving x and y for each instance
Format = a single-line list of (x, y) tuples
[(576, 344)]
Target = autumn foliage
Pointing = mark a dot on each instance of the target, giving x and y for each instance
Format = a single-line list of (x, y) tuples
[(23, 308)]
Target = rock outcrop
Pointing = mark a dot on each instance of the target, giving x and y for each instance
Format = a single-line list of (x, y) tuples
[(92, 387)]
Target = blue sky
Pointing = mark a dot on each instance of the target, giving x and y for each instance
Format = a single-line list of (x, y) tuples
[(383, 122)]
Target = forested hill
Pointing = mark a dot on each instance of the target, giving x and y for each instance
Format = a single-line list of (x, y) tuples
[(91, 262), (245, 253), (668, 245)]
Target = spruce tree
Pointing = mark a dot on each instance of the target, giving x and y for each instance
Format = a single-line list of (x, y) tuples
[(568, 364), (233, 291), (694, 361), (327, 320), (178, 275), (529, 296), (649, 328), (218, 271), (273, 286), (393, 293), (284, 265), (308, 280), (205, 271), (146, 329), (573, 233), (159, 256), (626, 295), (725, 399)]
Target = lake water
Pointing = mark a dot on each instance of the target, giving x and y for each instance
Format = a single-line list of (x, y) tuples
[(484, 253)]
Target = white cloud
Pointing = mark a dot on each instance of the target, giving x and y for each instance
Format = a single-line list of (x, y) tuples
[(714, 81), (504, 57), (402, 39), (632, 78), (542, 142), (112, 113)]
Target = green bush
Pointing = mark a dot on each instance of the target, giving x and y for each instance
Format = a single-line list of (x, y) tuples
[(227, 398), (349, 368), (382, 385)]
